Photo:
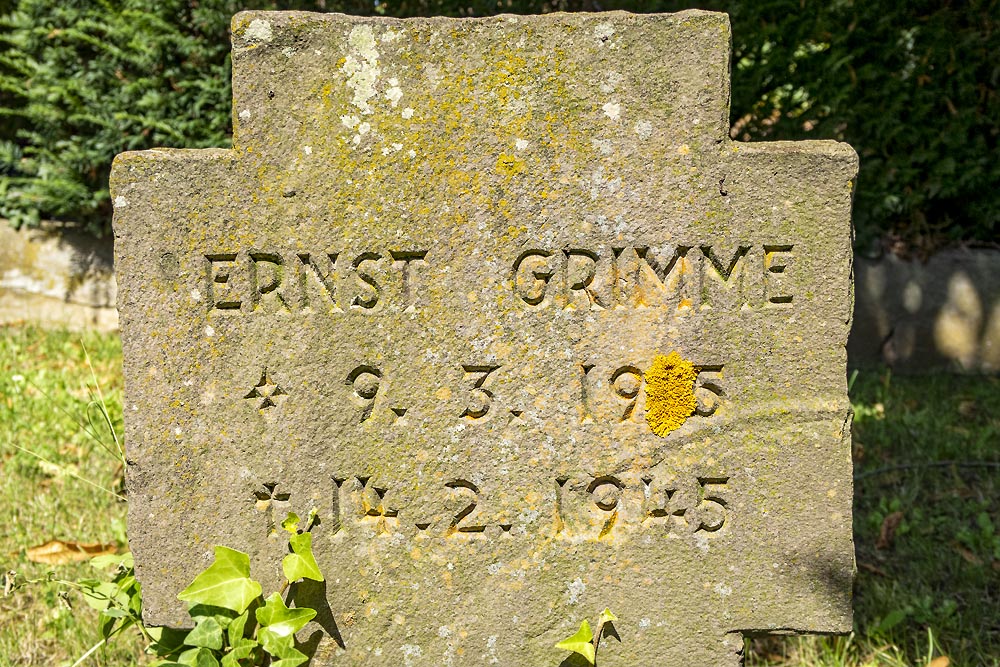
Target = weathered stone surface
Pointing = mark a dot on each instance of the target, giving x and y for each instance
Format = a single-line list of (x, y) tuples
[(420, 294)]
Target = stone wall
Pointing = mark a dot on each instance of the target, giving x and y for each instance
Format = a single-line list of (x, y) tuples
[(57, 277), (911, 315), (939, 314)]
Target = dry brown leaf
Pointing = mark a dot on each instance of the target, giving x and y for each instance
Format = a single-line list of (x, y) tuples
[(888, 531), (69, 449), (942, 661), (60, 552), (872, 568), (968, 556)]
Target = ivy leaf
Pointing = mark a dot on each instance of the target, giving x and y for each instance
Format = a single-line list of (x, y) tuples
[(197, 657), (226, 583), (237, 628), (242, 652), (294, 659), (580, 642), (166, 641), (207, 634), (279, 625), (291, 523), (607, 616), (105, 561), (107, 623), (300, 564), (221, 614), (102, 595)]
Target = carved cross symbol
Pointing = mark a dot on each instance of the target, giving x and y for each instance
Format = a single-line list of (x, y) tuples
[(270, 392), (270, 498)]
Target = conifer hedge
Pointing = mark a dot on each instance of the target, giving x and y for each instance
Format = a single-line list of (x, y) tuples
[(912, 86)]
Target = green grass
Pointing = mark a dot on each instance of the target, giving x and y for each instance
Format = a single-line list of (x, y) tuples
[(50, 405), (931, 590)]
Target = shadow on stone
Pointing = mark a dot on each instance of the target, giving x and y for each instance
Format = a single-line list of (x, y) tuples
[(609, 631), (575, 660), (312, 594)]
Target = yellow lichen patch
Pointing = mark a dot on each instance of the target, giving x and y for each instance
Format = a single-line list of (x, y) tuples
[(669, 393), (509, 165)]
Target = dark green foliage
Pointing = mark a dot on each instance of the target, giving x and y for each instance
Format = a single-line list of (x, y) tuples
[(912, 86), (82, 81), (925, 449)]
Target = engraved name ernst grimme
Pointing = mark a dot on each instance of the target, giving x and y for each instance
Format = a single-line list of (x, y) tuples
[(571, 278)]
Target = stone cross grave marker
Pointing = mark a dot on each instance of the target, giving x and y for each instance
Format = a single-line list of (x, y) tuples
[(503, 302)]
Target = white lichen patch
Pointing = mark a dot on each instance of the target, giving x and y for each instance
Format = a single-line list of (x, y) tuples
[(364, 128), (643, 129), (433, 74), (491, 647), (411, 153), (612, 110), (395, 93), (209, 331), (120, 202), (520, 144), (407, 113), (350, 121), (195, 295), (611, 83), (600, 184), (245, 114), (308, 150), (575, 589), (390, 36), (259, 30), (410, 651), (604, 32), (361, 67), (604, 146), (723, 590)]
